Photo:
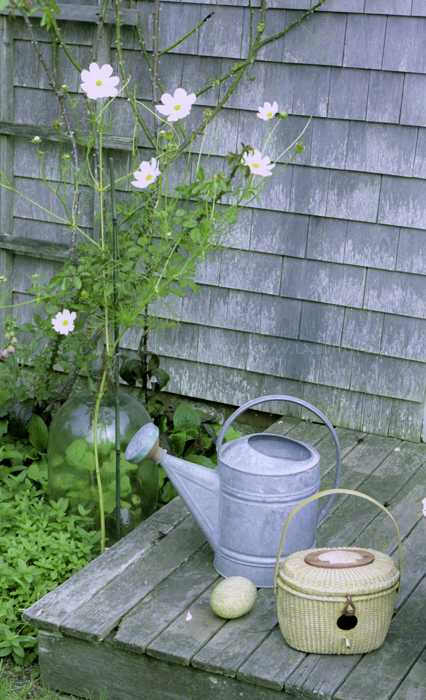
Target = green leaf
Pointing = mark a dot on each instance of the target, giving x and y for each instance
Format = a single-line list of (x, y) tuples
[(167, 493), (3, 4), (38, 432), (51, 309), (176, 290), (178, 441), (186, 417), (27, 327), (77, 282), (231, 434), (202, 460), (193, 287), (161, 376)]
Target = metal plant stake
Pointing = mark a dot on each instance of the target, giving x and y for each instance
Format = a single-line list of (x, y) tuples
[(116, 351)]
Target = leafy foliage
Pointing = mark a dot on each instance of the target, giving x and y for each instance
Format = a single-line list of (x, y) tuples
[(41, 545), (190, 434)]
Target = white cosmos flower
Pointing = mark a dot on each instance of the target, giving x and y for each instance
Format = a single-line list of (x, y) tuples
[(63, 322), (424, 507), (178, 106), (99, 82), (257, 164), (267, 111), (147, 174)]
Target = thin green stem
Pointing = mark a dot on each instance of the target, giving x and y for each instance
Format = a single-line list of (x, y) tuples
[(192, 31), (97, 466), (129, 94)]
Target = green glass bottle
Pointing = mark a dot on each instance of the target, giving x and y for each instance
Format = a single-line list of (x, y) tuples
[(71, 460)]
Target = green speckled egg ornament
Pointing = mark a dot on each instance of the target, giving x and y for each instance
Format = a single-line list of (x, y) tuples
[(233, 597)]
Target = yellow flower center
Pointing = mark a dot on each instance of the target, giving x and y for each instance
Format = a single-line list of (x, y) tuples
[(269, 114), (177, 108), (99, 82), (149, 177), (65, 323), (255, 165)]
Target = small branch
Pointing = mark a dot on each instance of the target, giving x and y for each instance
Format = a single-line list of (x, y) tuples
[(248, 60), (179, 41), (155, 54), (99, 27), (61, 99), (129, 94), (65, 48), (290, 26)]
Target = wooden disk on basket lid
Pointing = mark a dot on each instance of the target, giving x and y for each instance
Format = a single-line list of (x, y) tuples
[(339, 558)]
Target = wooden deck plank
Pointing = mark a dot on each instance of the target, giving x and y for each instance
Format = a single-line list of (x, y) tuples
[(316, 676), (99, 615), (413, 687), (348, 441), (283, 425), (168, 600), (354, 514), (184, 638), (239, 638), (308, 432), (370, 453), (80, 668), (272, 662), (373, 450), (49, 612), (380, 672), (325, 676)]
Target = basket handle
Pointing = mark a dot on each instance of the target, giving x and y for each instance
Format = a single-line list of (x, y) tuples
[(314, 497), (305, 404)]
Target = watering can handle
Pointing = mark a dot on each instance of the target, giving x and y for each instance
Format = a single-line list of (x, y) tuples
[(326, 493), (291, 399)]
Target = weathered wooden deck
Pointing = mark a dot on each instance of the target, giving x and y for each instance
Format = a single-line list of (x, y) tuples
[(122, 623)]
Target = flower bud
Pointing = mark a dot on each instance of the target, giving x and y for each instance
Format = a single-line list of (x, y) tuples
[(169, 135), (4, 354), (57, 124), (14, 341), (283, 114), (208, 113), (36, 139), (11, 349), (3, 278), (299, 147), (64, 87), (8, 336)]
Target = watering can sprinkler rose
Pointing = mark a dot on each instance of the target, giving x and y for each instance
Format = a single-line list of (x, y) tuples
[(242, 504)]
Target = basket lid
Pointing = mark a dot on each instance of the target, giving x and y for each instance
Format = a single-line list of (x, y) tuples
[(339, 570)]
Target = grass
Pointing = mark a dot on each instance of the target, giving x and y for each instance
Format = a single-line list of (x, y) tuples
[(18, 683)]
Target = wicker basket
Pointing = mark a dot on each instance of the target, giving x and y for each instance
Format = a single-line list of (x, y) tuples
[(336, 601)]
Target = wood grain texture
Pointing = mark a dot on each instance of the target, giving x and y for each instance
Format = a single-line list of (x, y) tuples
[(239, 638), (169, 600), (380, 673), (78, 667), (184, 638), (49, 612), (96, 617)]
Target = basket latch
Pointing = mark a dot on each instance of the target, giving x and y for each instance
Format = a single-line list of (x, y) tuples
[(350, 607)]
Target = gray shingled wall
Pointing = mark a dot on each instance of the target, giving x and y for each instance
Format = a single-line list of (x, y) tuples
[(321, 292)]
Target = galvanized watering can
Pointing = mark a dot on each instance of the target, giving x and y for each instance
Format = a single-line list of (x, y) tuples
[(242, 505)]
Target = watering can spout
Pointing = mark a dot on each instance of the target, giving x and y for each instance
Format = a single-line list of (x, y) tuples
[(198, 486)]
